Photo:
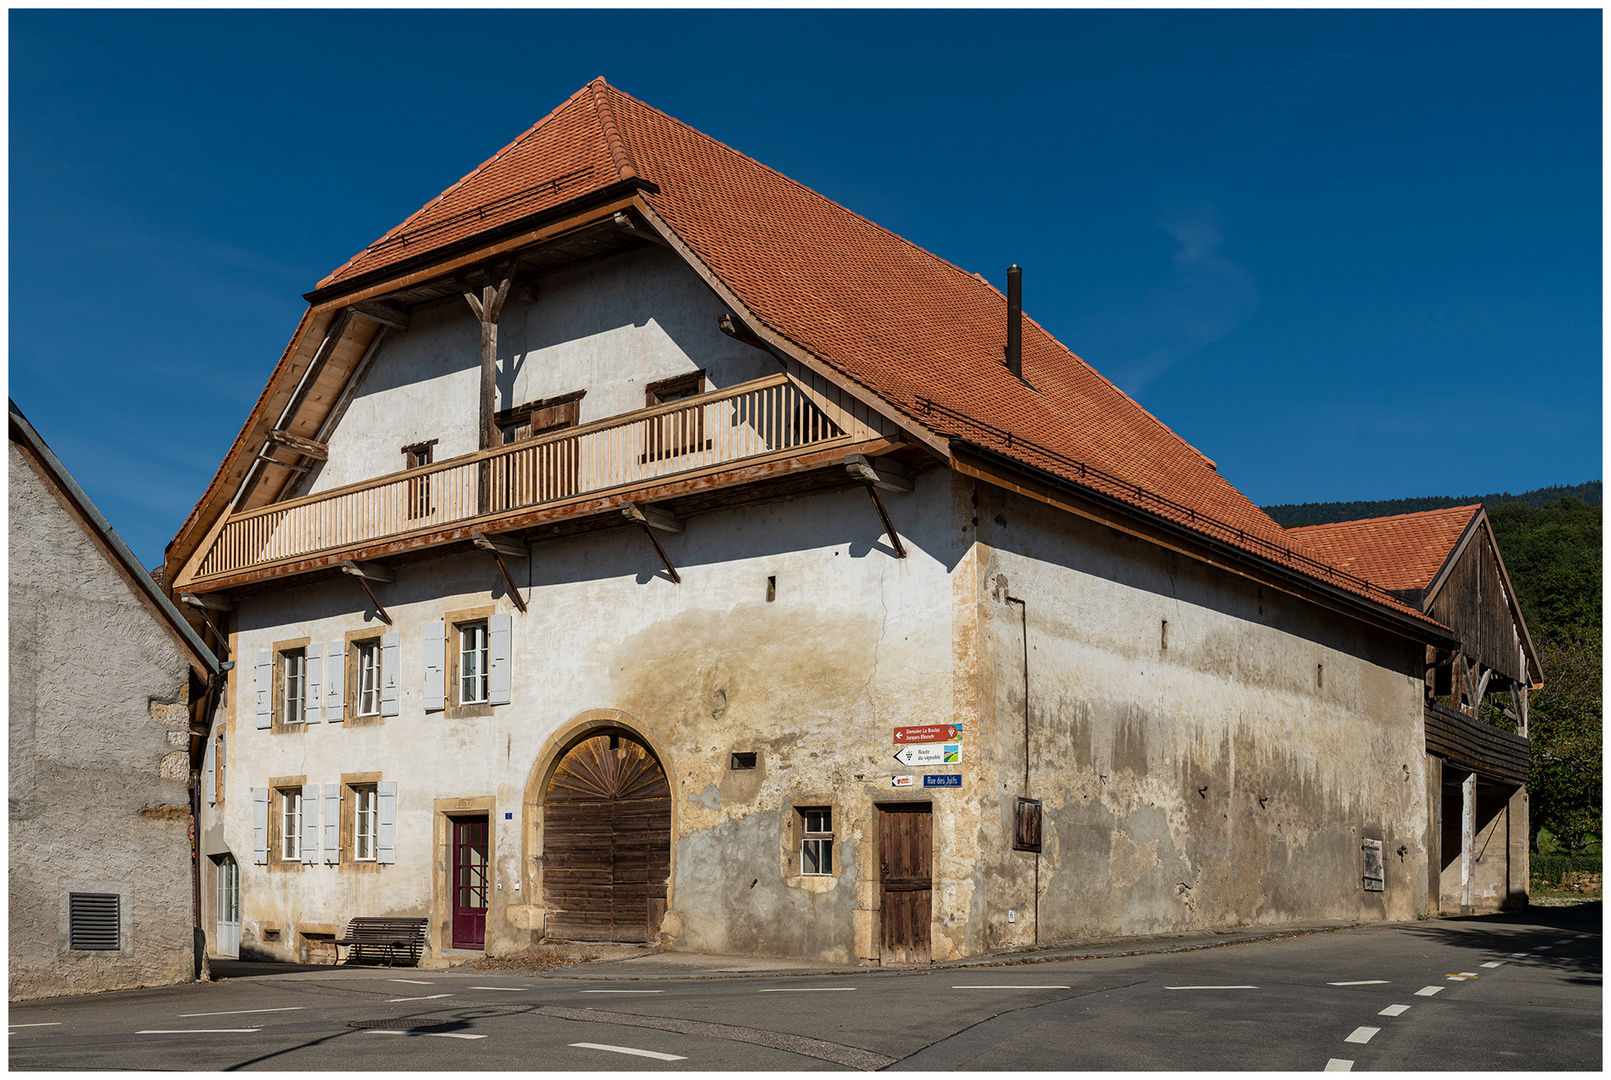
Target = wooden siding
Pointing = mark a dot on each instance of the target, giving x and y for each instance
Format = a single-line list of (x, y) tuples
[(1473, 602), (1476, 746)]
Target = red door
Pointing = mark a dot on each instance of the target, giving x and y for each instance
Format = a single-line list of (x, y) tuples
[(469, 883)]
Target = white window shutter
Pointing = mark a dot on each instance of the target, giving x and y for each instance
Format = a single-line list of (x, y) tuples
[(388, 675), (314, 713), (209, 772), (435, 657), (386, 823), (265, 689), (332, 823), (310, 823), (498, 635), (335, 675), (260, 808)]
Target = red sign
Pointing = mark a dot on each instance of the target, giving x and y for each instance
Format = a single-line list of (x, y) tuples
[(928, 733)]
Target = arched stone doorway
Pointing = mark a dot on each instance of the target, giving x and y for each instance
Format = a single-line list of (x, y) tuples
[(606, 841)]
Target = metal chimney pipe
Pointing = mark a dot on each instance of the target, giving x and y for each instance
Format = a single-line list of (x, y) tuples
[(1015, 320)]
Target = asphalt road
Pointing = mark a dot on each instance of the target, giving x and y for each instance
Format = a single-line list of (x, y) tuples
[(1509, 992)]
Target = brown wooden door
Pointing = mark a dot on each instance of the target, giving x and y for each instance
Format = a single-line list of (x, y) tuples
[(606, 842), (469, 883), (905, 882)]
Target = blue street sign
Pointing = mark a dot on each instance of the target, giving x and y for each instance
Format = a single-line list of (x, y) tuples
[(942, 781)]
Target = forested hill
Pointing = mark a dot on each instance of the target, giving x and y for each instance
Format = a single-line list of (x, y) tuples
[(1289, 514)]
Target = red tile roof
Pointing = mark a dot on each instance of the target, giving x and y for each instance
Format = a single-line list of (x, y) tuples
[(1404, 551), (923, 335)]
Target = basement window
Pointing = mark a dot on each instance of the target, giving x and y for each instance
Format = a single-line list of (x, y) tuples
[(93, 921), (742, 759), (1026, 825)]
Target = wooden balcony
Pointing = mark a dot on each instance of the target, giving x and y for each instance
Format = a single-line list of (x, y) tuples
[(723, 437)]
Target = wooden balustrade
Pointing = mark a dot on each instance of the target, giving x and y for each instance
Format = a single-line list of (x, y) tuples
[(775, 416)]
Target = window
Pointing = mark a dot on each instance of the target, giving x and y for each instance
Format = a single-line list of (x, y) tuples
[(293, 686), (1026, 825), (472, 663), (365, 822), (418, 456), (742, 759), (679, 431), (540, 417), (816, 841), (290, 819), (367, 701), (675, 389), (94, 921)]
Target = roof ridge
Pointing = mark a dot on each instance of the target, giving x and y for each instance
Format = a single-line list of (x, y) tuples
[(403, 225), (625, 167), (1386, 517)]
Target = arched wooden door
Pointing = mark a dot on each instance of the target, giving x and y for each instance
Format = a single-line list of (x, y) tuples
[(606, 842)]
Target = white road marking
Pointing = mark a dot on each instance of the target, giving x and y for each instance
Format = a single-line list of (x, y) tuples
[(1468, 975), (1428, 991), (1362, 982), (1338, 1065), (1520, 954), (1565, 941), (1009, 986), (427, 997), (1361, 1034), (1210, 988), (1494, 964), (1542, 948), (239, 1012), (56, 1024), (500, 988), (1459, 978), (435, 1034), (804, 989), (1394, 1010), (623, 991), (630, 1050), (196, 1031), (415, 982)]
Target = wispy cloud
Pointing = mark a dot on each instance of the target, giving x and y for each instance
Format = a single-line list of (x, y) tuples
[(1206, 297)]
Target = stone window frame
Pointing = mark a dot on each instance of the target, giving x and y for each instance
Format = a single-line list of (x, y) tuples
[(351, 785), (278, 787), (279, 651), (452, 621), (350, 677)]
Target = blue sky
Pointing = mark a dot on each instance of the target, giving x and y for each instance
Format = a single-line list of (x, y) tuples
[(1347, 255)]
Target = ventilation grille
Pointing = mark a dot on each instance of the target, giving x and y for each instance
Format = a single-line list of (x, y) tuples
[(93, 921)]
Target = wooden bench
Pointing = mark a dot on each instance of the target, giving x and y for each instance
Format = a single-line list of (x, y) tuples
[(368, 937)]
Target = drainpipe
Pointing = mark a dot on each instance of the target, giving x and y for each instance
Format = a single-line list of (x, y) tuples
[(1023, 617)]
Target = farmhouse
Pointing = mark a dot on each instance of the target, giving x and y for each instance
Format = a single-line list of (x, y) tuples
[(635, 545)]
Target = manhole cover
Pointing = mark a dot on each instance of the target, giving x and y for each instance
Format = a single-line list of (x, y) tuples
[(404, 1023)]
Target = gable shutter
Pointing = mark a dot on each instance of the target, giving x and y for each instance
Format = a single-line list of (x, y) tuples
[(498, 635), (310, 823), (332, 823), (315, 687), (335, 675), (388, 675), (209, 772), (260, 825), (386, 821), (435, 655), (265, 689)]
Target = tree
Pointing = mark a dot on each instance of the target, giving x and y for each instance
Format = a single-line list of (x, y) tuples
[(1564, 725)]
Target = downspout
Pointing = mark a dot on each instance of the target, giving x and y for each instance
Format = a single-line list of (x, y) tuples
[(1023, 616)]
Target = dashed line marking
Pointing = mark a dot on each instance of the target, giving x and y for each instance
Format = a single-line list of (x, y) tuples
[(56, 1024), (1198, 988), (1566, 941), (1361, 982), (427, 997), (631, 1050), (623, 991), (1459, 978), (500, 988), (1428, 991), (433, 1034), (1018, 986), (1542, 948), (1361, 1034), (1494, 964), (242, 1012), (1394, 1010), (803, 989), (197, 1031), (413, 982), (1338, 1065), (1515, 954), (1468, 975)]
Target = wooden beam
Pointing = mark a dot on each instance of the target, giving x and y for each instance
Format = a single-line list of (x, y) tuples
[(651, 517), (1468, 842), (889, 526), (368, 571), (624, 222), (735, 329), (671, 571), (306, 447), (487, 306), (380, 610), (211, 601), (499, 545), (887, 475), (383, 313)]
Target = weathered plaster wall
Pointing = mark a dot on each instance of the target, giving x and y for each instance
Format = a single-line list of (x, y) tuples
[(98, 735), (1220, 772), (855, 643), (610, 326)]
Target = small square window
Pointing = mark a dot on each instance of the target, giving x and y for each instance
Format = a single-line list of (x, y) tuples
[(1026, 825), (816, 841), (742, 759)]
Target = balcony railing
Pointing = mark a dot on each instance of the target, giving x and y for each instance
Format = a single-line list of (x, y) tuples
[(773, 417)]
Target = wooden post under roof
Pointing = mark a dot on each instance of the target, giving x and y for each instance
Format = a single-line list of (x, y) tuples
[(487, 306)]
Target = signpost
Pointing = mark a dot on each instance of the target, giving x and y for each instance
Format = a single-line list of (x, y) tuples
[(952, 780), (930, 754), (928, 733), (902, 781)]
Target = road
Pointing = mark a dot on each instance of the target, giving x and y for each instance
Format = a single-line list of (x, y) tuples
[(1508, 992)]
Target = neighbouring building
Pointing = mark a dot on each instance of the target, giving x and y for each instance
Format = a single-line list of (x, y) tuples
[(106, 680), (1447, 564), (636, 545)]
